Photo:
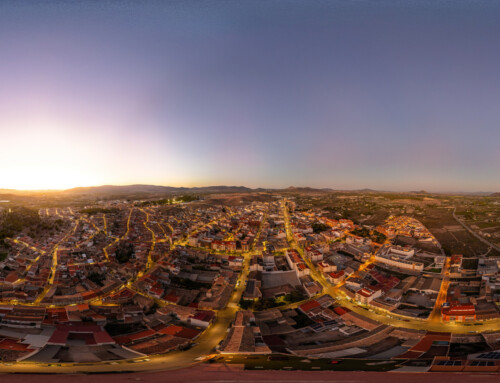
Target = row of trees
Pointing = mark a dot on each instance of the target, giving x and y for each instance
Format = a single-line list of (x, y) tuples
[(15, 220), (269, 303), (318, 227), (98, 210), (168, 201), (374, 235)]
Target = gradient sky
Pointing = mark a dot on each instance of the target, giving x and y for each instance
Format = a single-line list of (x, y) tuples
[(392, 95)]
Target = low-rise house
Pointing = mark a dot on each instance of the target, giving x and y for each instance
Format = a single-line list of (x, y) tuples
[(458, 313), (202, 319), (336, 277), (244, 337), (252, 290), (366, 295)]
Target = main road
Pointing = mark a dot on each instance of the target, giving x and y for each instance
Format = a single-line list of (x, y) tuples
[(387, 317), (204, 346), (210, 338)]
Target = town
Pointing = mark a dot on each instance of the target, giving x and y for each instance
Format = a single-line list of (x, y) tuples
[(260, 279)]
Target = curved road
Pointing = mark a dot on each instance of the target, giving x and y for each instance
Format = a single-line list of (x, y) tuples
[(211, 337), (204, 346), (387, 317)]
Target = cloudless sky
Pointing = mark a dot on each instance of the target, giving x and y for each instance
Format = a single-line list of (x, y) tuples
[(392, 95)]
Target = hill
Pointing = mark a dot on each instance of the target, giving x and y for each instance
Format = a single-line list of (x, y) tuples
[(154, 189), (304, 189)]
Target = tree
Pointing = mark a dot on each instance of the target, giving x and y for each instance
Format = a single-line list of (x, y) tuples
[(97, 278), (245, 304), (319, 227), (295, 296), (124, 252)]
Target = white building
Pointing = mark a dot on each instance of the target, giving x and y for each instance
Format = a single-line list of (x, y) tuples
[(401, 263), (366, 295), (439, 261), (406, 252)]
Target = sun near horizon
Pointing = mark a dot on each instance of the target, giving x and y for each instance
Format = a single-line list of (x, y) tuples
[(314, 93)]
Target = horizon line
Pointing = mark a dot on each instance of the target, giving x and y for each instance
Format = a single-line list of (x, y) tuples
[(417, 190)]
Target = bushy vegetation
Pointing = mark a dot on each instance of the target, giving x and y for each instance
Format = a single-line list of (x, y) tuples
[(295, 296), (361, 232), (260, 304), (374, 235), (302, 320), (269, 303), (124, 252), (188, 283), (98, 210), (14, 221), (97, 278), (187, 198), (378, 237), (168, 201), (319, 227)]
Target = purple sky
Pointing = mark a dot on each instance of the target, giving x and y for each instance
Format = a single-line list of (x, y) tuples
[(392, 95)]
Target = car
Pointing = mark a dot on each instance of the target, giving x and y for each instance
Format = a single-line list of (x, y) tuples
[(335, 361)]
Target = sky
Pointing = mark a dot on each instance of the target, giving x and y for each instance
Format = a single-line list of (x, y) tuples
[(347, 94)]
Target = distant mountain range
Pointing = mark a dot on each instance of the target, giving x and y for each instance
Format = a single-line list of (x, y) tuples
[(158, 190), (154, 189)]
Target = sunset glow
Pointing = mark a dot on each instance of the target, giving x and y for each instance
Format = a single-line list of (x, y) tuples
[(245, 190), (322, 94)]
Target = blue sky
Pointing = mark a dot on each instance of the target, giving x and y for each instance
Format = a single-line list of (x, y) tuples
[(392, 95)]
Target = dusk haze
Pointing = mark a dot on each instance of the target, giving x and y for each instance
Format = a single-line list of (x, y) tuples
[(343, 94)]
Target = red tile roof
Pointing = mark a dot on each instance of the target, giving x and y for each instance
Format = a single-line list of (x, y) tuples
[(187, 333), (171, 330), (337, 274), (308, 306), (141, 335), (340, 310), (13, 345), (92, 334), (365, 292), (204, 316), (459, 310)]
